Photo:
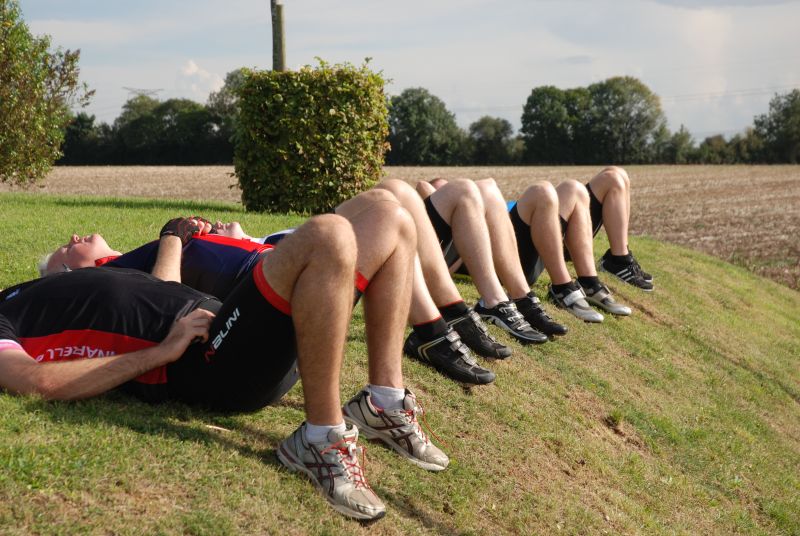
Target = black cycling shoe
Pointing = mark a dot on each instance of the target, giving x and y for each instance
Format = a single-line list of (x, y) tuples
[(629, 272), (449, 356), (531, 309), (475, 335), (506, 316)]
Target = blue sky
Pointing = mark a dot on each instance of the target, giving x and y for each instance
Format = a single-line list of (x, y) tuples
[(715, 63)]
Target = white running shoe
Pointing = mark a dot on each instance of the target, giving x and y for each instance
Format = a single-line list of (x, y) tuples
[(334, 469), (397, 428)]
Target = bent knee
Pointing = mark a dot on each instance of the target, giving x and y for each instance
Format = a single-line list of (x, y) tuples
[(378, 196), (540, 193), (489, 190), (464, 189), (615, 177), (332, 237)]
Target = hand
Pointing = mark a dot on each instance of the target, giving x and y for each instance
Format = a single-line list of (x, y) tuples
[(186, 330), (185, 228)]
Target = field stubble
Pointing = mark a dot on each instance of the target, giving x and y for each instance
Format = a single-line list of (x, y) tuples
[(748, 215)]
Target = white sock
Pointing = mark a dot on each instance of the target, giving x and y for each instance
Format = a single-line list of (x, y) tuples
[(318, 433), (387, 397)]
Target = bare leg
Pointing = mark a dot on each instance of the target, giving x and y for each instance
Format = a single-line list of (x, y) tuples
[(503, 240), (612, 188), (437, 278), (539, 207), (459, 203), (386, 241), (573, 202), (313, 270)]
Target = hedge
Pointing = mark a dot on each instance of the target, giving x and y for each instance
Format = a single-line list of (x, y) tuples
[(307, 140)]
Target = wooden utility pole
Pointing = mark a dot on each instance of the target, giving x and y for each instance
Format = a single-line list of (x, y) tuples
[(278, 42)]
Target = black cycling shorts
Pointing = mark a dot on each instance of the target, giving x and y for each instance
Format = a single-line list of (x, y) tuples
[(444, 232), (532, 265), (595, 210), (250, 358)]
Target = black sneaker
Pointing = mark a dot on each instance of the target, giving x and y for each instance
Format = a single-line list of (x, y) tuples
[(475, 335), (531, 309), (647, 277), (449, 356), (630, 272), (506, 316)]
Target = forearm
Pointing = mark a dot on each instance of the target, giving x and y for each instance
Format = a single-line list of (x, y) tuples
[(168, 260), (85, 378)]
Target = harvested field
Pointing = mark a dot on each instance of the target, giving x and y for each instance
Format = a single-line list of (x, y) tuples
[(749, 215)]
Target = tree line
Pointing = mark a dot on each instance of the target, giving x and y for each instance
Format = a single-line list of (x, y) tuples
[(618, 121)]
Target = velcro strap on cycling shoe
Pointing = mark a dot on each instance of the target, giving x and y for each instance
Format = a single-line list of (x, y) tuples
[(601, 294), (573, 296)]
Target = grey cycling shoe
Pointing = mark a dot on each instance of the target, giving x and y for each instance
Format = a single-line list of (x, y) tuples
[(601, 297), (575, 302)]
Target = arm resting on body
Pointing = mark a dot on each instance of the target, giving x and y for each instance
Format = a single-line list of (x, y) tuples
[(168, 260), (72, 380)]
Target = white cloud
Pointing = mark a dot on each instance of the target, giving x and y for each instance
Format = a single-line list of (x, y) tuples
[(196, 83)]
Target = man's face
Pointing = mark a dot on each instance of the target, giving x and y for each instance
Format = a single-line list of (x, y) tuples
[(80, 252)]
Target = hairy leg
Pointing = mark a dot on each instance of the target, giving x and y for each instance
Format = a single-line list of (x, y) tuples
[(386, 241), (503, 240), (573, 202), (459, 203), (539, 207), (612, 188), (434, 269), (313, 270)]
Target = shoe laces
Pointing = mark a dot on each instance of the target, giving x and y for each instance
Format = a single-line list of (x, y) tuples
[(347, 453), (418, 410)]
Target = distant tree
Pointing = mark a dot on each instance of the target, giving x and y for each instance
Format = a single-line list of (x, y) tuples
[(714, 150), (747, 148), (223, 105), (37, 88), (491, 138), (423, 132), (780, 128), (679, 148), (548, 127), (81, 140), (625, 118)]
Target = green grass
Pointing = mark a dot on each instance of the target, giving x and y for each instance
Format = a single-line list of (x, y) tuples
[(684, 418)]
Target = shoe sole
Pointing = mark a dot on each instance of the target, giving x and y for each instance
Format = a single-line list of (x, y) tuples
[(293, 465), (445, 372), (372, 434), (502, 325)]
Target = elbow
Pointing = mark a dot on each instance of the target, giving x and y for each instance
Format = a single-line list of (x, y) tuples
[(49, 388)]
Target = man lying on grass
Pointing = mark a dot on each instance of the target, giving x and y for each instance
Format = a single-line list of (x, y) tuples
[(162, 340)]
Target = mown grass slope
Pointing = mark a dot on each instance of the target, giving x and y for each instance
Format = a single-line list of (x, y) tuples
[(684, 418)]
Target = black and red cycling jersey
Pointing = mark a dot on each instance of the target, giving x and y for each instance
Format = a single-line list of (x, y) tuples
[(95, 312)]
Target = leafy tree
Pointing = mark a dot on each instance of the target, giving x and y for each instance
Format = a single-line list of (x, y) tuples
[(625, 118), (37, 88), (547, 126), (747, 148), (780, 128), (679, 148), (423, 132), (80, 140), (714, 150), (491, 138)]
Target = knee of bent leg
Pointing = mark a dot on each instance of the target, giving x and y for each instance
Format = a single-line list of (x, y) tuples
[(540, 194), (489, 190), (378, 196), (399, 189), (466, 191), (332, 239), (616, 178)]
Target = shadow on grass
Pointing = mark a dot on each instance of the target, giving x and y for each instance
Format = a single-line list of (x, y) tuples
[(144, 203), (170, 419)]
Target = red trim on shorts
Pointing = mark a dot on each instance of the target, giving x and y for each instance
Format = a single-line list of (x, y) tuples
[(449, 304), (429, 321), (361, 282), (105, 260), (277, 301)]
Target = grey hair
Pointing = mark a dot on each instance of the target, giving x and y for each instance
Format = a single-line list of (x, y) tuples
[(42, 266)]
